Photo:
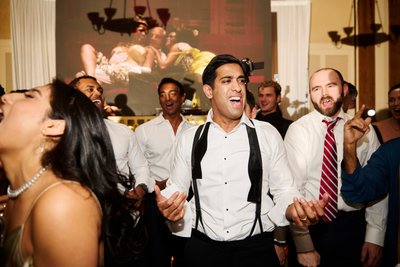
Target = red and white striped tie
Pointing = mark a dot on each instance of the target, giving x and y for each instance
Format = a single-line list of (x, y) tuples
[(329, 175)]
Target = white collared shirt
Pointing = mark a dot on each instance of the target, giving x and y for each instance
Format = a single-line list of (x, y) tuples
[(157, 140), (304, 142), (223, 190), (127, 152)]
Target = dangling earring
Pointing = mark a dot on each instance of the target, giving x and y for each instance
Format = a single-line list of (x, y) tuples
[(43, 143), (40, 149)]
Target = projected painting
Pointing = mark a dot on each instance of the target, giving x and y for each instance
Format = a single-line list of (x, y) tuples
[(144, 41)]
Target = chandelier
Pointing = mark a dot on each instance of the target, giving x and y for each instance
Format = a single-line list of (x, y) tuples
[(364, 39), (126, 24)]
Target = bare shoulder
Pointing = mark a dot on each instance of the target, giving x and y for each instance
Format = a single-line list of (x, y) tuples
[(384, 123), (67, 217), (378, 123), (65, 198)]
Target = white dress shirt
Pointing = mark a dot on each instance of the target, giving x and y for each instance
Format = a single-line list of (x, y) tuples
[(304, 142), (223, 190), (127, 152), (156, 139)]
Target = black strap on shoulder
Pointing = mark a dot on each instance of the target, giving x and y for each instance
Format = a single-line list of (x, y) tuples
[(255, 174), (254, 167), (198, 150)]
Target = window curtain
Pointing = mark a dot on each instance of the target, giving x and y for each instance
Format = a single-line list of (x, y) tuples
[(293, 22), (33, 42)]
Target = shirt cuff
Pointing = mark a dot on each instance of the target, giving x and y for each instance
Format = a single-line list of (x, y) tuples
[(278, 212), (374, 236), (183, 227)]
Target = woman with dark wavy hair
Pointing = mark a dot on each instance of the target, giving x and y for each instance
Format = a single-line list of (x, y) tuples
[(64, 208)]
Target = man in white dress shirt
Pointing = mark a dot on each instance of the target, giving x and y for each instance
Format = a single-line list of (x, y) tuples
[(129, 156), (156, 139), (234, 164), (355, 237)]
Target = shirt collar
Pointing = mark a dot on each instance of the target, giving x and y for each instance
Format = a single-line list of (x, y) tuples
[(160, 118), (321, 117), (243, 120)]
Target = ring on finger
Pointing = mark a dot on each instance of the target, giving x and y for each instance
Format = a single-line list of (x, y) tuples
[(303, 219)]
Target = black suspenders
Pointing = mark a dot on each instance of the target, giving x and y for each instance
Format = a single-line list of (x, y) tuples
[(255, 173), (254, 168), (198, 151)]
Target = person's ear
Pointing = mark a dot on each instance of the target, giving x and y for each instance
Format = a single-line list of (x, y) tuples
[(345, 89), (54, 128), (208, 91), (278, 99), (254, 113), (183, 97)]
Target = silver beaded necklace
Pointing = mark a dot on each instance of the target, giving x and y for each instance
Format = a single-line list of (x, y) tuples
[(15, 193)]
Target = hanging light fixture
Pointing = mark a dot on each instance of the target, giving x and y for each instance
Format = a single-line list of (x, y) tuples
[(364, 39), (163, 14), (126, 24)]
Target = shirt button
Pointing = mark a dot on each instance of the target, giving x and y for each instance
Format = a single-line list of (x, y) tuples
[(226, 182), (227, 232), (227, 209), (226, 137)]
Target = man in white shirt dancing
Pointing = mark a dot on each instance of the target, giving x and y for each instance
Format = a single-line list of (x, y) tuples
[(352, 235), (156, 139), (233, 165)]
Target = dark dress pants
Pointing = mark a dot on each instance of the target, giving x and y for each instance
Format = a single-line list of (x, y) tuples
[(163, 245), (256, 251)]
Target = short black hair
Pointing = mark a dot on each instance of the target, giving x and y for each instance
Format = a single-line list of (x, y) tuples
[(173, 81), (352, 90), (250, 100), (75, 81), (2, 91), (210, 72)]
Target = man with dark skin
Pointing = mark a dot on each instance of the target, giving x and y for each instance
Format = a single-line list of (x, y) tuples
[(224, 176), (156, 139), (130, 159)]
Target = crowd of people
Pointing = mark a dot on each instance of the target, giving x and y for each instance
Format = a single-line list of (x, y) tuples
[(150, 51), (246, 188)]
